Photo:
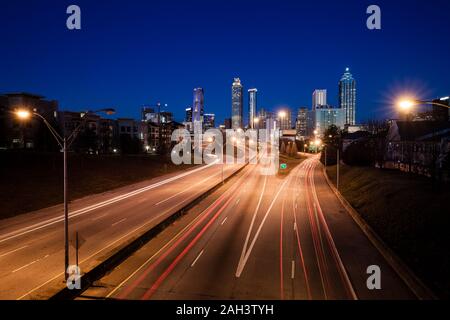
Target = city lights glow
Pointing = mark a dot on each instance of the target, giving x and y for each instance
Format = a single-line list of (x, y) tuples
[(23, 114), (406, 104)]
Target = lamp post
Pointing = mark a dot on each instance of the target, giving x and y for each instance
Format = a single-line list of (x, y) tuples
[(408, 104), (64, 142)]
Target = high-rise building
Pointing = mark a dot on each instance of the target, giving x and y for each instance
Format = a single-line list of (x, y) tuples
[(301, 122), (252, 107), (347, 97), (209, 120), (236, 106), (285, 119), (188, 117), (198, 105), (319, 98), (325, 117)]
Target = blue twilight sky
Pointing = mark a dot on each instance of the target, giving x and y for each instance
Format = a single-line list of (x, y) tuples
[(131, 53)]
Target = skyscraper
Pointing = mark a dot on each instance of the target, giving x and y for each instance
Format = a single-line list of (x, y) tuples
[(188, 117), (319, 98), (252, 107), (301, 122), (347, 97), (236, 106), (197, 107)]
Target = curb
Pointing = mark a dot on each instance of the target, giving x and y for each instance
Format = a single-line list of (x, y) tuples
[(133, 245), (420, 290)]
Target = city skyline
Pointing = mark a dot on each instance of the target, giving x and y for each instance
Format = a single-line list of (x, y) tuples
[(128, 79)]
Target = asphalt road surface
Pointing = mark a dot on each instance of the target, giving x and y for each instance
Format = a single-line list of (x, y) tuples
[(258, 237), (32, 245)]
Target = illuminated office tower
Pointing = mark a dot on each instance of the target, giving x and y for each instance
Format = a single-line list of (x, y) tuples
[(347, 97), (198, 105), (252, 107), (319, 98), (236, 106)]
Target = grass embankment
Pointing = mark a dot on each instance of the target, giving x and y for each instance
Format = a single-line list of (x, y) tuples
[(32, 181), (409, 214)]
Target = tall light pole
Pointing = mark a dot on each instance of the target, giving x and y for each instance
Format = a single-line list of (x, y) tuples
[(64, 142), (408, 104)]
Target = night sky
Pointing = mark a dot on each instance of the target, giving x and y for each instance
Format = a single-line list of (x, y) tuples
[(131, 53)]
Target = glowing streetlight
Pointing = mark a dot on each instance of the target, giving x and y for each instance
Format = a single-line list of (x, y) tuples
[(64, 142), (282, 114), (406, 105), (318, 142), (23, 114), (316, 132)]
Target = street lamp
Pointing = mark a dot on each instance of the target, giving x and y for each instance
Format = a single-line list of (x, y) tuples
[(64, 142), (407, 104)]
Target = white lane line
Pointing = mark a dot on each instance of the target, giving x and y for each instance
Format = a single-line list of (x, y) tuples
[(237, 201), (99, 217), (192, 186), (29, 264), (116, 223), (224, 220), (293, 270), (76, 213), (155, 254), (12, 251), (295, 226), (117, 240), (198, 257), (242, 263), (244, 249)]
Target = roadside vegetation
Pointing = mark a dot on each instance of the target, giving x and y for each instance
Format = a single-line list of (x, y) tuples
[(408, 212), (31, 181)]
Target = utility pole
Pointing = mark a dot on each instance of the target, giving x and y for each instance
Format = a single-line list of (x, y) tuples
[(337, 169), (66, 210), (159, 129)]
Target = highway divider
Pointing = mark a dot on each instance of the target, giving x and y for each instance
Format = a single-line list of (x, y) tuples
[(130, 247)]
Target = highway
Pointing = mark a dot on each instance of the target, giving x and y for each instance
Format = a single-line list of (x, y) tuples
[(32, 245), (258, 237)]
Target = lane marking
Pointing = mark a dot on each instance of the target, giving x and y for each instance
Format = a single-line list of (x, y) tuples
[(224, 220), (116, 223), (196, 259), (76, 213), (237, 201), (241, 266), (281, 251), (149, 293), (192, 186), (29, 264), (342, 270), (230, 193), (293, 270), (117, 240), (300, 174), (99, 217), (12, 251), (244, 249)]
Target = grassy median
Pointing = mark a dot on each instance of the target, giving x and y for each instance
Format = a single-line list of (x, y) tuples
[(32, 181), (408, 213)]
